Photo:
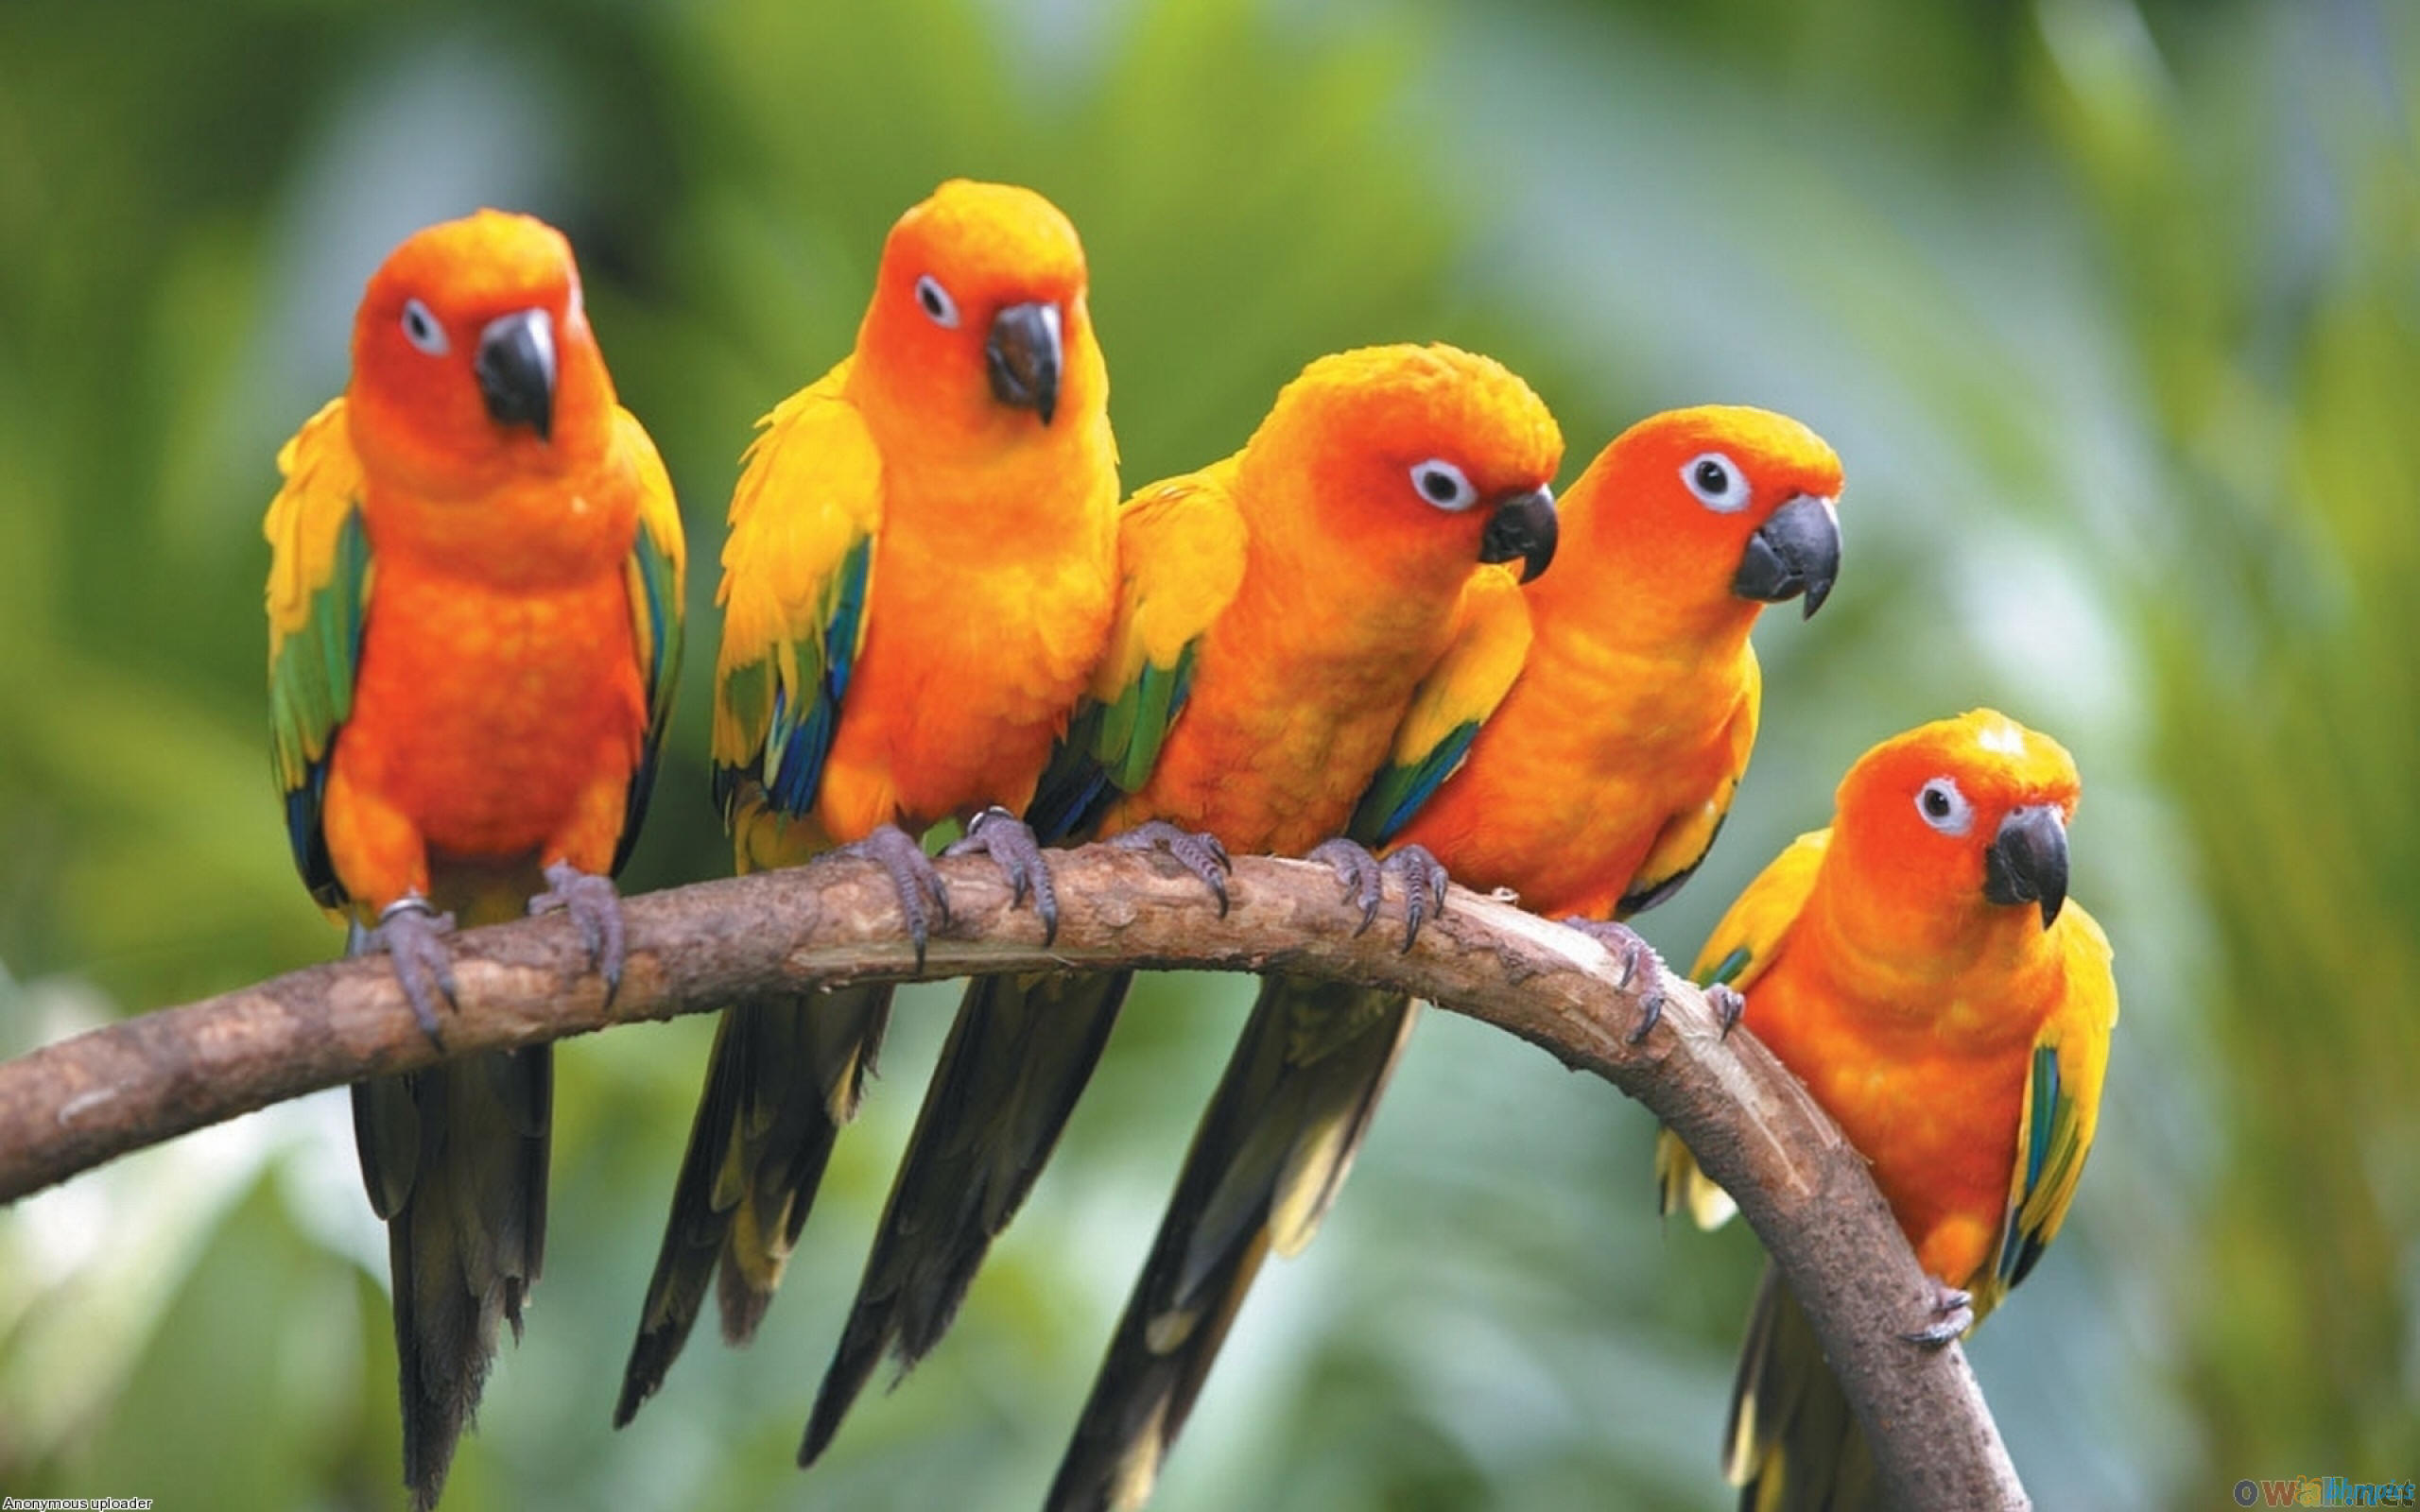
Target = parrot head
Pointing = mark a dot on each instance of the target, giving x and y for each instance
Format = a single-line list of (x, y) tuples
[(1423, 461), (473, 362), (978, 330), (1963, 817), (1718, 506)]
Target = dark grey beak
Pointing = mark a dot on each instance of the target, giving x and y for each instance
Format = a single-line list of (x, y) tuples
[(1522, 527), (1024, 356), (2028, 861), (516, 371), (1797, 551)]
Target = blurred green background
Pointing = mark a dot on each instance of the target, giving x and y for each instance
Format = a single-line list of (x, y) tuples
[(2112, 308)]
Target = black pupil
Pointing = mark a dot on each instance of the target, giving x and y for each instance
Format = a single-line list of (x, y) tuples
[(931, 295), (418, 323), (1712, 478), (1936, 803), (1438, 486)]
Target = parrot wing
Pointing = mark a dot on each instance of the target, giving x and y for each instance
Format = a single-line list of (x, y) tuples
[(797, 570), (318, 597), (2061, 1110), (1687, 836), (1742, 945), (1181, 547), (1478, 668), (657, 575)]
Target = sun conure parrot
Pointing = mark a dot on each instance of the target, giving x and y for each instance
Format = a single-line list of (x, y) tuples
[(474, 625), (1918, 966), (1278, 609), (1592, 788), (917, 584)]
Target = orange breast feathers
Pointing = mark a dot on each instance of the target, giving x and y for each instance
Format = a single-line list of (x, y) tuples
[(992, 596)]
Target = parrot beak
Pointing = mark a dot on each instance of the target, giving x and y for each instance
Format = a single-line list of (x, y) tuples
[(516, 371), (2027, 862), (1522, 526), (1024, 356), (1797, 551)]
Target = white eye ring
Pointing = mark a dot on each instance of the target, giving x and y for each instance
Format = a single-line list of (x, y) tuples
[(938, 307), (421, 330), (1717, 481), (1441, 486), (1944, 807)]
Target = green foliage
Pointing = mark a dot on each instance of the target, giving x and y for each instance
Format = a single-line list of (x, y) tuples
[(2110, 308)]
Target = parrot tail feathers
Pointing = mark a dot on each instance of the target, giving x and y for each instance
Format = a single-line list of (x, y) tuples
[(1266, 1163), (1792, 1443), (465, 1238), (1018, 1056), (784, 1075)]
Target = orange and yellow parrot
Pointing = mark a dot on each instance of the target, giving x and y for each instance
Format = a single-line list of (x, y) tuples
[(474, 625), (1918, 966), (917, 584), (1580, 745), (1278, 610)]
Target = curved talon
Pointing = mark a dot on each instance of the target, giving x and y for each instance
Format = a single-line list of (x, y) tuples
[(1358, 869), (1424, 886), (1632, 955), (1198, 851), (1728, 1007), (1953, 1313), (595, 908), (913, 877), (411, 931), (1013, 846)]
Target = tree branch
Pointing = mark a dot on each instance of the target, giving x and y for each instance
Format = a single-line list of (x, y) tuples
[(72, 1105)]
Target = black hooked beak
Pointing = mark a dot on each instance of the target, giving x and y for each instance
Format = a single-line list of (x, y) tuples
[(516, 371), (1023, 357), (1523, 526), (2027, 862), (1797, 551)]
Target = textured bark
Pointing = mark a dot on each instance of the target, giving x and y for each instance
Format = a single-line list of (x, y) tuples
[(72, 1105)]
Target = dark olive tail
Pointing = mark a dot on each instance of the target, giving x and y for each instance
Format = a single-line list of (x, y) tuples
[(1267, 1162), (1792, 1444), (1017, 1059), (455, 1160), (785, 1075)]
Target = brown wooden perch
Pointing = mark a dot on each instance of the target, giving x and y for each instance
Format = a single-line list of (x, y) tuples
[(71, 1105)]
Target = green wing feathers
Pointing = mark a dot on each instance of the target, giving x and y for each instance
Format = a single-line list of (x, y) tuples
[(317, 598)]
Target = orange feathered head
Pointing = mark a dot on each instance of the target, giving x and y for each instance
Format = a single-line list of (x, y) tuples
[(1962, 815), (1716, 510), (1424, 459), (472, 361), (978, 328)]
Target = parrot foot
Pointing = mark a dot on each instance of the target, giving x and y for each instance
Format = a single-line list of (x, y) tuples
[(1634, 955), (596, 908), (1197, 851), (922, 901), (1953, 1313), (411, 934), (1728, 1007), (1364, 876), (1010, 844)]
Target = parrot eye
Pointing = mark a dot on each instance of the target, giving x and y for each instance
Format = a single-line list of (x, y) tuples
[(1944, 807), (938, 307), (1442, 484), (421, 330), (1717, 481)]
